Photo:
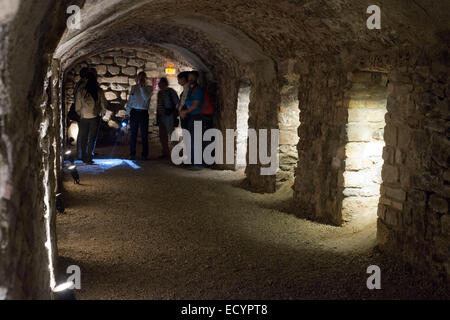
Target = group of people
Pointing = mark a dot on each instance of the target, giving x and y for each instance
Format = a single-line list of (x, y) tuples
[(171, 110), (189, 108), (90, 105)]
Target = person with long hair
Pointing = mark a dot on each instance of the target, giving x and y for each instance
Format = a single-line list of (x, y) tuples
[(72, 115), (90, 105)]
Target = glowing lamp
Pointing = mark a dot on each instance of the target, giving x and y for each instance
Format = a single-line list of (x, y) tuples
[(171, 71)]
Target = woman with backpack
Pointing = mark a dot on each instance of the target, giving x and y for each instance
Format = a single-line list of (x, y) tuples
[(90, 106), (167, 115)]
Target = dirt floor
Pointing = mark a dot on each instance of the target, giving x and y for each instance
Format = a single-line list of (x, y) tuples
[(156, 231)]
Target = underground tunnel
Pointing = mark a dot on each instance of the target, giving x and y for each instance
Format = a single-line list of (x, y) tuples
[(362, 150)]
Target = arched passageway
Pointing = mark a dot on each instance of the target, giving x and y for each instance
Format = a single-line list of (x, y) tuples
[(300, 58)]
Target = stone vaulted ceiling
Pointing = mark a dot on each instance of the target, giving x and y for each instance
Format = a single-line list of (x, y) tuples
[(253, 31)]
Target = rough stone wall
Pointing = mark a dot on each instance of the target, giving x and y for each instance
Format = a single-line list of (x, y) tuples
[(56, 149), (263, 114), (50, 153), (361, 179), (27, 154), (117, 71), (288, 121), (322, 134), (413, 208), (414, 218), (226, 113), (5, 175)]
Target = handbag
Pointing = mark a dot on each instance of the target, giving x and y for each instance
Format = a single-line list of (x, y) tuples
[(73, 115)]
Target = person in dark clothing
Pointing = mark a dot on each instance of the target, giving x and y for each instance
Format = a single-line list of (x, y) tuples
[(94, 72), (166, 114), (84, 72), (137, 110), (192, 113), (183, 80)]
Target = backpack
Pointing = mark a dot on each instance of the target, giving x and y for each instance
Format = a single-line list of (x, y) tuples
[(208, 103)]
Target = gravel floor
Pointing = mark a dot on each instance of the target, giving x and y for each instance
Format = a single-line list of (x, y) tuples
[(161, 232)]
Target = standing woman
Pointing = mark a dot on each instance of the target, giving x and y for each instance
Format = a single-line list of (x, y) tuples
[(166, 114), (90, 104)]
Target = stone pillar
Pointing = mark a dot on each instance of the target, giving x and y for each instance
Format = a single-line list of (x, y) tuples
[(264, 102), (323, 117), (414, 218), (226, 114), (26, 155)]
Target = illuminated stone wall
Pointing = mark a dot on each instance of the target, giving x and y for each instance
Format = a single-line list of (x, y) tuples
[(242, 114), (117, 70), (361, 178), (414, 218), (323, 117), (333, 182), (288, 121)]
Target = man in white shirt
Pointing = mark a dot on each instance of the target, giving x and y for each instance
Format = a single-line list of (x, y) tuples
[(137, 109)]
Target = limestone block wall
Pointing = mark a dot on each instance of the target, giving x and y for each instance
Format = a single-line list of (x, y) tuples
[(414, 218), (361, 178), (117, 71), (413, 208)]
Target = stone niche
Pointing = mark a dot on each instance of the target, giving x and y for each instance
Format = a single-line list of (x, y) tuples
[(361, 179), (117, 70)]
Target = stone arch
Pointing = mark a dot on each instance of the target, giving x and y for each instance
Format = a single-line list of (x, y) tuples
[(117, 68), (235, 55)]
